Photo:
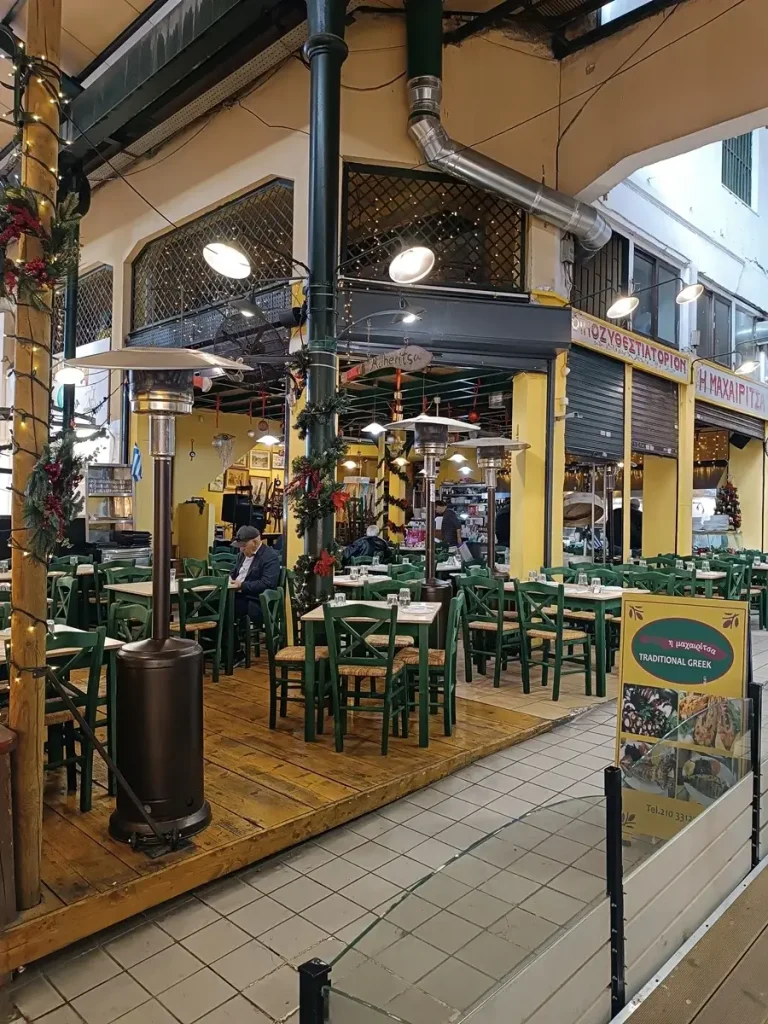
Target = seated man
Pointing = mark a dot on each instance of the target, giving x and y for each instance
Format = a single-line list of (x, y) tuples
[(369, 545), (257, 569)]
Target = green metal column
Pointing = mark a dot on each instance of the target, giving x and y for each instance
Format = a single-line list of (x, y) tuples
[(70, 338), (424, 20), (326, 51)]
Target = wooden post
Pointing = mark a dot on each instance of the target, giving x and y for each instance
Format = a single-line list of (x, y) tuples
[(7, 884), (39, 171)]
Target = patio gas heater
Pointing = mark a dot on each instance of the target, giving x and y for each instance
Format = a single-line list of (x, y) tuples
[(491, 453), (160, 680), (430, 440)]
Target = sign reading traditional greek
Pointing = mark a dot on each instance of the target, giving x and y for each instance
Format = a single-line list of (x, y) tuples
[(632, 348), (683, 723), (714, 384), (408, 359)]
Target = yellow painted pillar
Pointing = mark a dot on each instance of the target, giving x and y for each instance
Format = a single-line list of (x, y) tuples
[(659, 505), (558, 460), (765, 497), (527, 477), (745, 471), (686, 430), (626, 491)]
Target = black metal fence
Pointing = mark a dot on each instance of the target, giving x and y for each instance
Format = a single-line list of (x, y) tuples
[(94, 308)]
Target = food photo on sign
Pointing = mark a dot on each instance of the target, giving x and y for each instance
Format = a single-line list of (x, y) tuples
[(683, 728)]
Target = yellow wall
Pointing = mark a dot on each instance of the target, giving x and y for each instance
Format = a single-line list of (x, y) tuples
[(686, 431), (449, 471), (745, 471), (626, 492), (527, 479), (558, 461), (659, 505)]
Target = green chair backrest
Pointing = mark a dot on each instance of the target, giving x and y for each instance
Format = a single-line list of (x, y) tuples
[(222, 569), (608, 577), (377, 590), (736, 581), (418, 561), (567, 573), (406, 572), (662, 560), (477, 570), (64, 590), (5, 614), (64, 563), (484, 598), (223, 557), (540, 606), (128, 622), (202, 600), (362, 560), (128, 574), (84, 651), (272, 604), (653, 582), (349, 627), (290, 584), (194, 567), (455, 615)]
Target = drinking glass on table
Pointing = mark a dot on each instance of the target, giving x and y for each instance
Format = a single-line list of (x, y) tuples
[(392, 600), (691, 566), (679, 563), (704, 565), (340, 599), (541, 577), (354, 572), (532, 576), (375, 560), (404, 597), (582, 580), (73, 559), (50, 626), (406, 559), (595, 585), (173, 576), (643, 563)]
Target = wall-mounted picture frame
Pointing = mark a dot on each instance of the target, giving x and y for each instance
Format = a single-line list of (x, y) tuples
[(242, 461), (278, 458), (217, 484), (260, 485), (258, 460), (235, 477)]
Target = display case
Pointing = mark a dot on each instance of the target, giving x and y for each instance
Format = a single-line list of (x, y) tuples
[(109, 502)]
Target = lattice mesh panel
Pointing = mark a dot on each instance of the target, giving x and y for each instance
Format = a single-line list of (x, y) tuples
[(170, 275), (600, 278), (478, 237), (94, 309)]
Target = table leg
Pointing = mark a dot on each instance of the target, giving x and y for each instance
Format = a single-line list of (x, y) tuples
[(309, 682), (229, 665), (709, 588), (600, 647), (424, 685), (112, 713)]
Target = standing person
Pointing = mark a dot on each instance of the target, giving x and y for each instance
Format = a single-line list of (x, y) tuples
[(450, 528), (257, 569)]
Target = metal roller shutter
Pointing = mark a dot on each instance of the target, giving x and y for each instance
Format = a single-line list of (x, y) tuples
[(708, 415), (654, 415), (595, 390)]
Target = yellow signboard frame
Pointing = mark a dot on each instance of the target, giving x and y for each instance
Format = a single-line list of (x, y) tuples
[(679, 657)]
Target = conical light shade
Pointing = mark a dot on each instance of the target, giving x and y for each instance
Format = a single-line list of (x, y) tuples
[(412, 265), (374, 428), (623, 307), (227, 259)]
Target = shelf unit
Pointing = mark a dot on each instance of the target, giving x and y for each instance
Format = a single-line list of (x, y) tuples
[(471, 500), (109, 501)]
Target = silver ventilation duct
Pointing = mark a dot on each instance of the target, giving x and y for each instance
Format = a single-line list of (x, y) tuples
[(445, 154)]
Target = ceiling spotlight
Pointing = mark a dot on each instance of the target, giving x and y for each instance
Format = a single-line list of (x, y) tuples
[(411, 265), (349, 464), (457, 457), (227, 259), (268, 439), (689, 293), (623, 307), (407, 314), (374, 428), (69, 375), (746, 367), (401, 461)]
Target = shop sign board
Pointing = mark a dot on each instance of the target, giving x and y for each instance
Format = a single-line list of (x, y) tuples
[(683, 729), (408, 359), (644, 353), (715, 384)]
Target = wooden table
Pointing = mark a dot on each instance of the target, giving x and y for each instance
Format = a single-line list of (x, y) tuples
[(142, 593), (709, 579), (5, 577), (582, 599), (421, 615)]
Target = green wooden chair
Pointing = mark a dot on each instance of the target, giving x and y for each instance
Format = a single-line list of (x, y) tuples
[(565, 572), (202, 604), (477, 570), (5, 614), (290, 587), (353, 657), (64, 600), (65, 563), (417, 561), (442, 668), (98, 599), (542, 618), (489, 631), (653, 582), (128, 574), (80, 652), (128, 622), (286, 663), (406, 572), (361, 560), (194, 567), (377, 590)]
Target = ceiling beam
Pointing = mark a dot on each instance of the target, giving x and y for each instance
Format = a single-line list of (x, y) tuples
[(488, 19)]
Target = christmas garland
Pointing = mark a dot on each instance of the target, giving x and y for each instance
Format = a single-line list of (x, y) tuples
[(313, 412), (298, 369), (60, 252), (394, 527), (51, 500), (391, 466)]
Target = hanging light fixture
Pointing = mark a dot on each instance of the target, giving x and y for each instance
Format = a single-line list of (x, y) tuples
[(374, 428), (69, 375), (401, 461), (689, 293), (227, 259), (407, 314), (623, 307), (746, 367), (465, 470), (349, 464), (412, 265), (268, 439), (456, 457)]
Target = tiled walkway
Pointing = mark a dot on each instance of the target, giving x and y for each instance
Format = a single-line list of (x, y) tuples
[(228, 954)]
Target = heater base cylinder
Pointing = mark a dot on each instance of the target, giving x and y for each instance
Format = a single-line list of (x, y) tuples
[(160, 739), (439, 592)]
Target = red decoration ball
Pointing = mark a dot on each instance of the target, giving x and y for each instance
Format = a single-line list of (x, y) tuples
[(473, 416)]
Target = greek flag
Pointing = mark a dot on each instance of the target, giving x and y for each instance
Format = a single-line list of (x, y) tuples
[(136, 463)]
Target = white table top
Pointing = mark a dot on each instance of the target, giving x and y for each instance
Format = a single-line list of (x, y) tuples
[(418, 549), (147, 589), (701, 575), (584, 594), (5, 577), (416, 614), (110, 644), (760, 565)]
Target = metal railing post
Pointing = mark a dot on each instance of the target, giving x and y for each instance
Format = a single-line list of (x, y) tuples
[(755, 694), (314, 977), (614, 875)]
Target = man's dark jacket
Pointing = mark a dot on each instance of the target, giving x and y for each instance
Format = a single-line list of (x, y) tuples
[(264, 574)]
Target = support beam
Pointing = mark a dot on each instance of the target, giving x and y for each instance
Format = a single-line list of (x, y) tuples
[(686, 431), (626, 493), (30, 430), (527, 482), (484, 21), (326, 51)]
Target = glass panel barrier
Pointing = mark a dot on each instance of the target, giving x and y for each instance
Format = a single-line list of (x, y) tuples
[(463, 930)]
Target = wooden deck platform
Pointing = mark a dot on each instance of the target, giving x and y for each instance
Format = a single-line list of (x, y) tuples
[(268, 790)]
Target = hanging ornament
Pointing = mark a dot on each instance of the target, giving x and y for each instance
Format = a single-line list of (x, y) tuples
[(192, 452), (474, 415), (218, 408), (224, 445), (251, 432)]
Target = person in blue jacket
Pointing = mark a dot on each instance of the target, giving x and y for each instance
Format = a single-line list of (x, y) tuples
[(257, 569)]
